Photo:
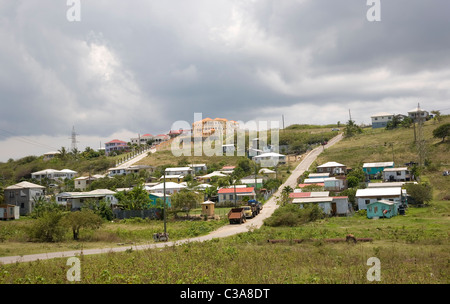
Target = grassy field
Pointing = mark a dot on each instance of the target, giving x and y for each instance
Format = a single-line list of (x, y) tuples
[(14, 237), (412, 249)]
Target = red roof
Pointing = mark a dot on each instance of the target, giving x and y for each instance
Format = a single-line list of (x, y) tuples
[(116, 141), (147, 135), (299, 194), (340, 196), (228, 167), (316, 184), (238, 190)]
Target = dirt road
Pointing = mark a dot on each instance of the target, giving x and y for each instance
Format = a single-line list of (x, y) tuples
[(269, 207)]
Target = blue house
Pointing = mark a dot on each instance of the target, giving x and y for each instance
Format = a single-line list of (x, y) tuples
[(154, 196), (372, 169), (382, 209)]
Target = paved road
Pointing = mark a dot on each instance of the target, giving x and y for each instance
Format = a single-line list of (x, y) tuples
[(269, 207)]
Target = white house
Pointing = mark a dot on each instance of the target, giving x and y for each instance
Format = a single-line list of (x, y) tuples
[(417, 114), (179, 171), (324, 202), (270, 159), (54, 174), (207, 178), (380, 120), (333, 168), (171, 188), (370, 195), (76, 199), (396, 174), (228, 193), (50, 155)]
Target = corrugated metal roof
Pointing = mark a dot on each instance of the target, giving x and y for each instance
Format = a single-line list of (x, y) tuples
[(379, 192)]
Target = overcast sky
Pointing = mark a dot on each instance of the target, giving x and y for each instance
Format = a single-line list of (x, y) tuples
[(137, 66)]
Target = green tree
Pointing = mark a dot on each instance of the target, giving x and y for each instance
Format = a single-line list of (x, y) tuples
[(48, 227), (420, 193), (85, 219), (437, 116), (352, 181), (135, 199), (442, 132), (186, 200), (351, 129)]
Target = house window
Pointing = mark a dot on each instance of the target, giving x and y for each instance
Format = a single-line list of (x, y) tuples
[(231, 196), (367, 202), (378, 198), (11, 194), (375, 209), (399, 173)]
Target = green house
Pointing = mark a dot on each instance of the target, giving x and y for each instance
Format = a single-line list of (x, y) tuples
[(382, 209), (373, 169), (154, 196)]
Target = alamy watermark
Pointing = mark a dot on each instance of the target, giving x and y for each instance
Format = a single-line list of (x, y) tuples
[(374, 12), (74, 11), (374, 272), (74, 272)]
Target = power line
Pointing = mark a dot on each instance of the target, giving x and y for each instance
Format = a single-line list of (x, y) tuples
[(25, 140)]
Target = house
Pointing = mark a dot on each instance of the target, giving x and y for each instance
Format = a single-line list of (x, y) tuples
[(75, 200), (9, 212), (155, 196), (382, 209), (389, 184), (396, 174), (142, 140), (207, 178), (198, 167), (53, 174), (270, 159), (179, 171), (370, 195), (267, 172), (311, 184), (250, 182), (171, 188), (50, 155), (334, 184), (418, 114), (176, 178), (318, 175), (23, 195), (161, 138), (376, 169), (115, 145), (228, 194), (228, 169), (380, 120), (333, 168), (83, 182), (334, 205), (217, 126)]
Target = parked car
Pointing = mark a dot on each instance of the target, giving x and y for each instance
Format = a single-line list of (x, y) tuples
[(248, 212)]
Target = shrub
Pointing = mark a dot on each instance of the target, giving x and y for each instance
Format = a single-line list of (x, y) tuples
[(48, 227), (292, 215)]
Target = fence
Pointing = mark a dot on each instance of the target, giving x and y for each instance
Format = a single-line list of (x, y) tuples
[(147, 213)]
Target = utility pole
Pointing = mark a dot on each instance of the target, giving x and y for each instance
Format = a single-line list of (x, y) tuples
[(73, 137)]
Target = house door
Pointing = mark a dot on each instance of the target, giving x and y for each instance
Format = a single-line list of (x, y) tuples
[(333, 208)]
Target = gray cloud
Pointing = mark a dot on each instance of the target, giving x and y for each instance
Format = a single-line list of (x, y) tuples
[(141, 65)]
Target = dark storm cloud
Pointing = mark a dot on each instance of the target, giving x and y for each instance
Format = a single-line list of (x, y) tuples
[(141, 65)]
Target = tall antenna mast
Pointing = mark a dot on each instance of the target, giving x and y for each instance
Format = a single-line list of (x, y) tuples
[(73, 137), (350, 114)]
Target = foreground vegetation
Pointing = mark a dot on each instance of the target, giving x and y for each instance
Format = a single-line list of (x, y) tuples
[(412, 249)]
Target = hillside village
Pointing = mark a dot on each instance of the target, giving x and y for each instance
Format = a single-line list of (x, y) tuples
[(383, 193)]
